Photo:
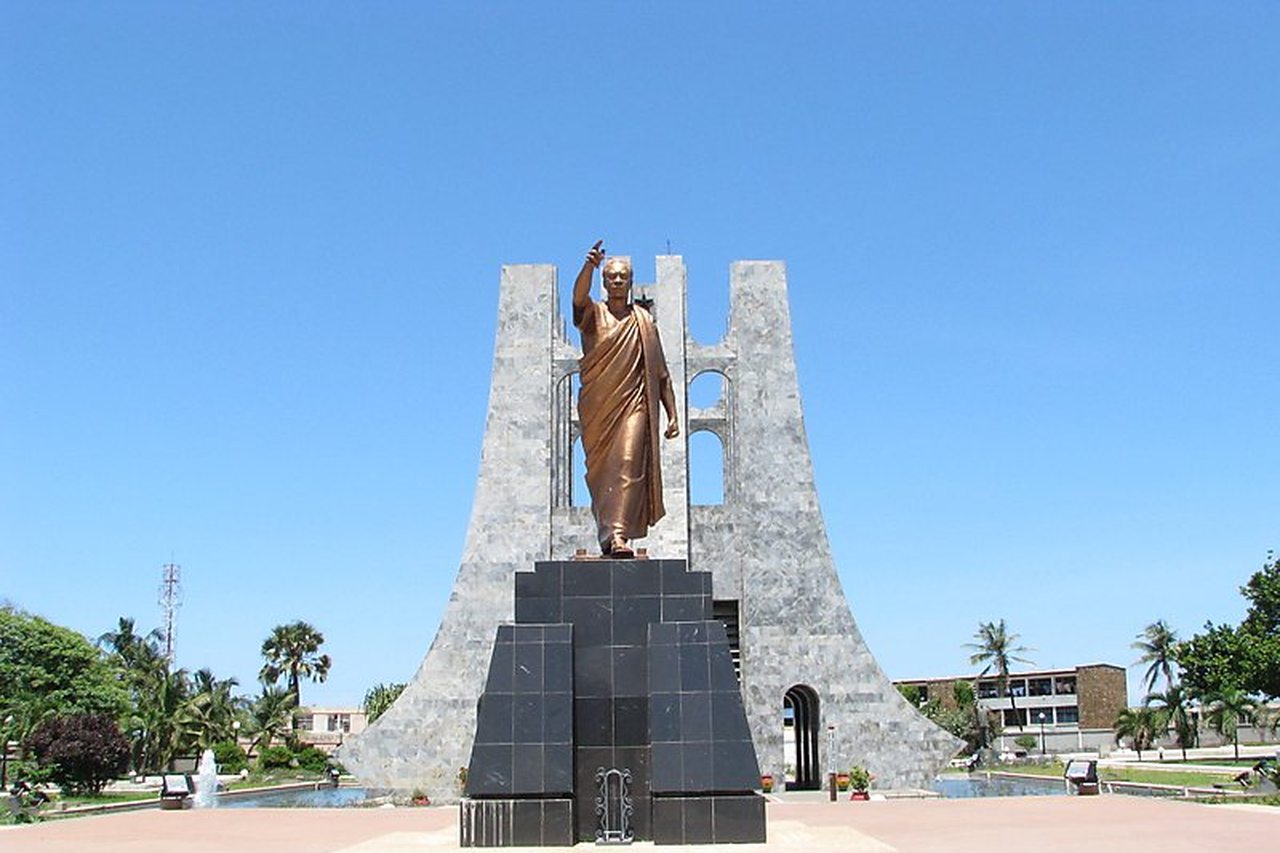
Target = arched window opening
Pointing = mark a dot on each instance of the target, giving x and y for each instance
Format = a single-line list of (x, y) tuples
[(706, 389), (801, 724), (706, 469)]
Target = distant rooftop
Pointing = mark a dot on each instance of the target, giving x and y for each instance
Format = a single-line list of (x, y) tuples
[(1021, 673)]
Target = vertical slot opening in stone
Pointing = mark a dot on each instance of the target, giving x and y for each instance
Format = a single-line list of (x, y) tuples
[(706, 469)]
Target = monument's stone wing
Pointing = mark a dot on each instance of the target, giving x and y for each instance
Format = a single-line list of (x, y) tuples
[(774, 582)]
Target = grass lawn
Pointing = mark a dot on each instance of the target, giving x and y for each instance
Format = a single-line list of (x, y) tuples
[(53, 808), (267, 778), (103, 799), (1189, 776)]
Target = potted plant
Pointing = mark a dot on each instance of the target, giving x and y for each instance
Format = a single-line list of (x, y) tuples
[(766, 783), (842, 781), (860, 781), (419, 798)]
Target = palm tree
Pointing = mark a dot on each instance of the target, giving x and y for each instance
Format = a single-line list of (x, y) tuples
[(270, 714), (22, 712), (1157, 642), (379, 698), (156, 695), (996, 650), (1141, 725), (211, 710), (159, 725), (1173, 708), (130, 646), (1227, 709), (292, 650)]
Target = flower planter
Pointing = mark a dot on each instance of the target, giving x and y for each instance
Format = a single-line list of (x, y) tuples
[(842, 781), (860, 795), (766, 783), (859, 780)]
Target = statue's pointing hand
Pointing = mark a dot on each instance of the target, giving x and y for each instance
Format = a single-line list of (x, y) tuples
[(595, 255)]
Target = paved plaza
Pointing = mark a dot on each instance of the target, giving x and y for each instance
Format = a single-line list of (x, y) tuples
[(1041, 824)]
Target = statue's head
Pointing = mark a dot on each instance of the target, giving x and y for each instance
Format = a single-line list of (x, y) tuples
[(616, 274)]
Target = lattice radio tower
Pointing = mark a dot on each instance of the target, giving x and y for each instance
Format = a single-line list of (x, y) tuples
[(170, 601)]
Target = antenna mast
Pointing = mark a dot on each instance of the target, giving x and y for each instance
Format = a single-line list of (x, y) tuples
[(170, 601)]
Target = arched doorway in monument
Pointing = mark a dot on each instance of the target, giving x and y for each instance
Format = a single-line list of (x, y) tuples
[(801, 724)]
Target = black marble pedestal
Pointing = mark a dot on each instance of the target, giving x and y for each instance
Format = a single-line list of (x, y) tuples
[(612, 697)]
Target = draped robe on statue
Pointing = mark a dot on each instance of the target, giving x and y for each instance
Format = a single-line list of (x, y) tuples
[(622, 371)]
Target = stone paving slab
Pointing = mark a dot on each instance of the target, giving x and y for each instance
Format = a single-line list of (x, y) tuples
[(1040, 824)]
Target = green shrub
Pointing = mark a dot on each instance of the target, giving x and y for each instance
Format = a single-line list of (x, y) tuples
[(1026, 743), (312, 759), (276, 756), (230, 757), (910, 692)]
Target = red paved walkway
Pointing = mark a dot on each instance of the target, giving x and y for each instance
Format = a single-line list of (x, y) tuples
[(1041, 824)]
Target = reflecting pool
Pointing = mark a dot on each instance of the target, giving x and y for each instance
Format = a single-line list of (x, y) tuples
[(957, 787), (297, 798)]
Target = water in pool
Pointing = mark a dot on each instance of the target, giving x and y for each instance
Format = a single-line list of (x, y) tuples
[(322, 798), (964, 787)]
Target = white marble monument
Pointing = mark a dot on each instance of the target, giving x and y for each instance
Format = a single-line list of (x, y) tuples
[(765, 545)]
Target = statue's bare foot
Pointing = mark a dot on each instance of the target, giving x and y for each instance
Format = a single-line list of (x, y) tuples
[(619, 547)]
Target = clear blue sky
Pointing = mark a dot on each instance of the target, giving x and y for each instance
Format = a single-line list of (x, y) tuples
[(249, 260)]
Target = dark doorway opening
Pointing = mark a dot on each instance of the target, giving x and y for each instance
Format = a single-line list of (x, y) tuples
[(801, 724)]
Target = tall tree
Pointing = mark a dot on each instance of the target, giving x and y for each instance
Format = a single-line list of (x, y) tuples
[(1263, 592), (995, 650), (1140, 725), (1157, 642), (1174, 709), (961, 716), (1220, 657), (130, 648), (211, 711), (269, 715), (162, 721), (21, 713), (1226, 710), (293, 650), (46, 669), (171, 712), (379, 698), (157, 696), (1244, 656), (1262, 625)]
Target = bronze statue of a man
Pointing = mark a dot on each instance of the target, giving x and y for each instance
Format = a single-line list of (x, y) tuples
[(624, 376)]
